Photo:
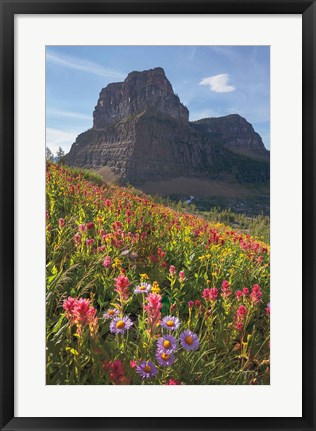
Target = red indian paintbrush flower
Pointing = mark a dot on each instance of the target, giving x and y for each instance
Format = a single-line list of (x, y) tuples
[(226, 292), (182, 276), (107, 261), (256, 294), (210, 294), (173, 382), (116, 372), (77, 239), (242, 311), (80, 312), (153, 310), (239, 294), (121, 286), (172, 270)]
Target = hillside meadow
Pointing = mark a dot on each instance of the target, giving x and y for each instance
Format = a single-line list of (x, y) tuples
[(140, 293)]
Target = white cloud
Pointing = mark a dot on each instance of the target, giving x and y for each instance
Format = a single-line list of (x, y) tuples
[(218, 83), (68, 114), (83, 65), (56, 138)]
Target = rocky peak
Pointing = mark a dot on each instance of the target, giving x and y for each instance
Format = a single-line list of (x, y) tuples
[(141, 134), (139, 92), (234, 133)]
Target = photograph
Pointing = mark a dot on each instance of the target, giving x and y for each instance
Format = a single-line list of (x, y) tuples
[(157, 215), (158, 195)]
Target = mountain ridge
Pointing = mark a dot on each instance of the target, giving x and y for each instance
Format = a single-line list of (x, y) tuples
[(141, 133)]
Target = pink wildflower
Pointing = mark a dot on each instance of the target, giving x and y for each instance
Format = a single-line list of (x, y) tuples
[(172, 270), (239, 325), (239, 294), (173, 382), (121, 282), (226, 292), (182, 276), (256, 294), (69, 305), (61, 223), (117, 225), (77, 239), (80, 312), (83, 312), (161, 253), (133, 363), (121, 286), (153, 310), (242, 311), (210, 294), (116, 372), (107, 261)]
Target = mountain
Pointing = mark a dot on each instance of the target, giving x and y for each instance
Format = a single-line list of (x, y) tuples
[(235, 134), (142, 135)]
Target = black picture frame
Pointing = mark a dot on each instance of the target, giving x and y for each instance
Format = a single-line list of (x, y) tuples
[(8, 9)]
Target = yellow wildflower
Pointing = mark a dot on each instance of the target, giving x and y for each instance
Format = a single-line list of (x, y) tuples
[(155, 287), (117, 263)]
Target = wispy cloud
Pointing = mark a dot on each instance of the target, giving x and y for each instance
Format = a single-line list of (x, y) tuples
[(68, 114), (218, 83), (192, 53), (83, 65), (56, 138)]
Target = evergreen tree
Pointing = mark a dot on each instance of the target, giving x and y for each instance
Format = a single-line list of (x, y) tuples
[(59, 155), (49, 154)]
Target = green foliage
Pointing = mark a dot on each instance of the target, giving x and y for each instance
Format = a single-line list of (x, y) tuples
[(88, 175), (257, 226)]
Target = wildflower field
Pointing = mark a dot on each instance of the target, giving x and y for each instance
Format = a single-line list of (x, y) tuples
[(138, 293)]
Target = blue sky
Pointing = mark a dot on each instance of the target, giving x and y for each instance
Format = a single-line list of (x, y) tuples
[(211, 81)]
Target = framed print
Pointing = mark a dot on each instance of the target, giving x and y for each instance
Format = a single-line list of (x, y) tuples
[(157, 197)]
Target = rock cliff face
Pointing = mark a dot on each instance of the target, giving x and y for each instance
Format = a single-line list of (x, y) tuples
[(141, 132), (140, 92), (235, 134)]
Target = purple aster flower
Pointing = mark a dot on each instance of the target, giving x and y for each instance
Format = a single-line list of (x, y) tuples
[(165, 359), (167, 344), (111, 313), (124, 252), (170, 322), (143, 288), (189, 340), (146, 369), (119, 325), (133, 255)]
